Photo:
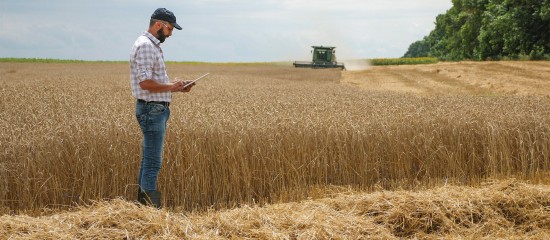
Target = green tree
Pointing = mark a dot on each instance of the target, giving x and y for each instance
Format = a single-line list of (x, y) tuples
[(514, 28), (489, 29), (418, 49)]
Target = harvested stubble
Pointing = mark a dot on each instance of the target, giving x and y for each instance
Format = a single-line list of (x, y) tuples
[(402, 61), (502, 209), (251, 134)]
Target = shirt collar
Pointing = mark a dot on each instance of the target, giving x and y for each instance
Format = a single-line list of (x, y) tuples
[(152, 38)]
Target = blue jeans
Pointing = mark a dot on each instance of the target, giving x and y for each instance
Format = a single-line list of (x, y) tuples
[(152, 119)]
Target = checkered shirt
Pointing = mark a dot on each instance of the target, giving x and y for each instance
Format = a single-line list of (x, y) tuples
[(147, 63)]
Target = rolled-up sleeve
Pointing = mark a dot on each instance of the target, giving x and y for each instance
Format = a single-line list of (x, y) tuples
[(144, 62), (147, 63)]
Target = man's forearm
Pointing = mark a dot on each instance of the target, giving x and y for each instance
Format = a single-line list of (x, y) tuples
[(154, 86)]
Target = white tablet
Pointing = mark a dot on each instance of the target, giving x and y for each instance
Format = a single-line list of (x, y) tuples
[(197, 79)]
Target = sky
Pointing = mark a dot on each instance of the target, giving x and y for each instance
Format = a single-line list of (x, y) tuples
[(216, 30)]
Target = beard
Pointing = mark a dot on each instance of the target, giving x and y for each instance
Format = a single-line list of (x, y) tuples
[(161, 36)]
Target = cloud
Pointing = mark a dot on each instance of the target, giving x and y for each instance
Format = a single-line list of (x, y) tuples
[(216, 30)]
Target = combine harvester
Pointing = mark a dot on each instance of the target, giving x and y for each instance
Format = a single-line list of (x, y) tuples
[(323, 57)]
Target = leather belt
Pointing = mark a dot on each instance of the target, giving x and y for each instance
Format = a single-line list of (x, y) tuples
[(166, 104)]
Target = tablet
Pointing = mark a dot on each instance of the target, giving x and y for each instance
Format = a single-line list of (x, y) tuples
[(197, 79)]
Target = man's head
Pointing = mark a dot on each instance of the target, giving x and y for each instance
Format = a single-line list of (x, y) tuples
[(162, 24)]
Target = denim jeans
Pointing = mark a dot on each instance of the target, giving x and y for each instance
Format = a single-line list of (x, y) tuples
[(152, 119)]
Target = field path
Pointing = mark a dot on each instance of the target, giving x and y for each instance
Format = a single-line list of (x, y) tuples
[(472, 78)]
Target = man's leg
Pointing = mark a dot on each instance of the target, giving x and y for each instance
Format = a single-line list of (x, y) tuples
[(151, 161), (152, 119)]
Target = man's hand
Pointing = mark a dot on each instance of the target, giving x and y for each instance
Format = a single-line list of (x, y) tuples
[(188, 88), (184, 83), (177, 86)]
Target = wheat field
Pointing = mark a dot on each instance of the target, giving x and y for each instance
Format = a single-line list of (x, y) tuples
[(256, 134)]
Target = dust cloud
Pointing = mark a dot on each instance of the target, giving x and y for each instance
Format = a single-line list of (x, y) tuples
[(326, 32), (357, 64)]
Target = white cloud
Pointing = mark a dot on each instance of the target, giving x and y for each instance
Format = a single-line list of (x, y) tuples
[(217, 30)]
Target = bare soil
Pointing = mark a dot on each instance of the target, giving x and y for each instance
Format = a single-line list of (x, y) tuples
[(471, 78)]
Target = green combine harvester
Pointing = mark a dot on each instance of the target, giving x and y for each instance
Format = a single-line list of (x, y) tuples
[(323, 57)]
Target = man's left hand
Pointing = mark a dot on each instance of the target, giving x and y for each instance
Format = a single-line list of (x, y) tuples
[(185, 82), (188, 88)]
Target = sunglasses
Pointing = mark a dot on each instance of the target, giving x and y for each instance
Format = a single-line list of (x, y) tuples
[(170, 29)]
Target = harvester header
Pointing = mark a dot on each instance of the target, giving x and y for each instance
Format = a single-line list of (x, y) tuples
[(323, 57)]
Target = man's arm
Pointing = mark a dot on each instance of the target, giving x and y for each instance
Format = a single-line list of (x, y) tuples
[(143, 62), (154, 86)]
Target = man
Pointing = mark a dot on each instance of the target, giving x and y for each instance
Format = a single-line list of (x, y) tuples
[(153, 90)]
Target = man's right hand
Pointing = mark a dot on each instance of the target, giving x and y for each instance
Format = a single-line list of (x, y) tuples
[(177, 86)]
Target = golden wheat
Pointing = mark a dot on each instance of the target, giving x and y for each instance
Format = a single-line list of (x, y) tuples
[(497, 210), (250, 134)]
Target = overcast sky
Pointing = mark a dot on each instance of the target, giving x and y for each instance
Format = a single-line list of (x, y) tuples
[(216, 30)]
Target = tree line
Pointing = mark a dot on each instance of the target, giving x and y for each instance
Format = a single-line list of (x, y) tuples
[(489, 30)]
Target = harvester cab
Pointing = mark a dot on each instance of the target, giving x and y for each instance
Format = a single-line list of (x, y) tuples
[(323, 57)]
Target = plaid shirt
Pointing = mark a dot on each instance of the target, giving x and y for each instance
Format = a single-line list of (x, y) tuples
[(147, 63)]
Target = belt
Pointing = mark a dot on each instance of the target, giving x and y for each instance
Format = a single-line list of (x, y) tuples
[(166, 104)]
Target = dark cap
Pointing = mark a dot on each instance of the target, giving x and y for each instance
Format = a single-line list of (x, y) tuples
[(165, 15)]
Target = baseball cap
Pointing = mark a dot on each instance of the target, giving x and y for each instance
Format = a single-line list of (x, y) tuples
[(166, 15)]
